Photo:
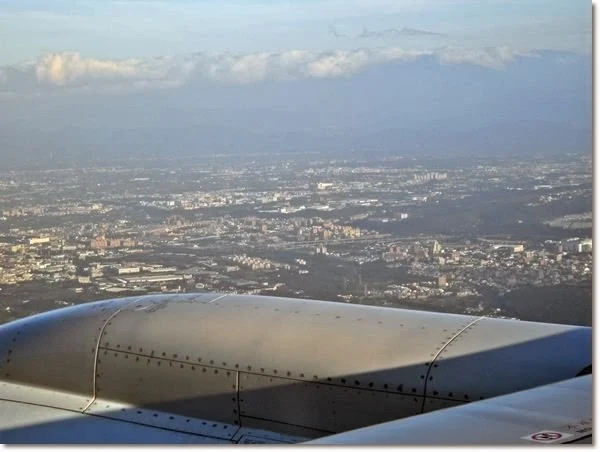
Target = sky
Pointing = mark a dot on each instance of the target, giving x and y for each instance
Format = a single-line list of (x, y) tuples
[(142, 28), (59, 52)]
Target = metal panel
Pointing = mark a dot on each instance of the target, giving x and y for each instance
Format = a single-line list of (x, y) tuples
[(156, 418), (255, 436), (320, 406), (433, 404), (42, 396), (494, 357), (352, 346), (563, 409), (28, 424), (56, 349), (288, 430), (167, 386)]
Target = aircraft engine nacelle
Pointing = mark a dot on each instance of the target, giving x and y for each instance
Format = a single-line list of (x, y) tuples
[(212, 364)]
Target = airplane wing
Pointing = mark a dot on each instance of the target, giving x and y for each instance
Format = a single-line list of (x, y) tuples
[(251, 369)]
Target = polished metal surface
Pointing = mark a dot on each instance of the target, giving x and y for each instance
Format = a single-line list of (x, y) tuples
[(214, 364), (56, 350), (551, 414), (501, 356), (31, 424)]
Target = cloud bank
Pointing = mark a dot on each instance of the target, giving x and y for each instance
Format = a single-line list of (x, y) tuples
[(70, 71)]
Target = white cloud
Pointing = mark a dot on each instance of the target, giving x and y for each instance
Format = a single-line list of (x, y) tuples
[(490, 57), (71, 71), (64, 68)]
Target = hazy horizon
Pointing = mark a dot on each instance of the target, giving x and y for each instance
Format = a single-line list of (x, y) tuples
[(92, 80)]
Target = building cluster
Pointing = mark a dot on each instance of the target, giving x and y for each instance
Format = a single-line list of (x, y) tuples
[(252, 263), (55, 210), (434, 175), (261, 227), (504, 267), (103, 243)]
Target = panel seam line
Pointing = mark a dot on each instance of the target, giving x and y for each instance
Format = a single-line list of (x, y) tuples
[(439, 352), (97, 352)]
